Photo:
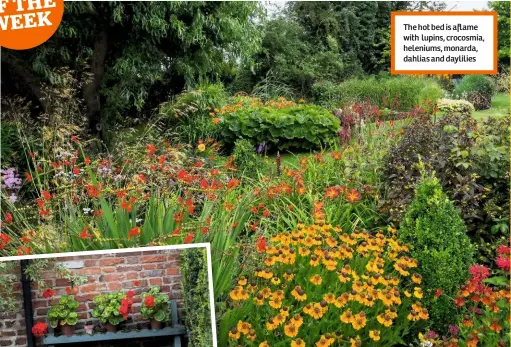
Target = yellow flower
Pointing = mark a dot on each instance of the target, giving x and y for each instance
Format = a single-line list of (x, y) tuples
[(374, 334), (264, 344), (384, 319), (317, 311), (266, 292), (297, 343), (347, 316), (329, 298), (201, 147), (297, 320), (355, 342), (244, 327), (417, 292), (359, 321), (234, 334), (242, 281), (275, 303), (290, 330), (316, 280), (251, 335), (416, 278), (299, 294), (275, 280), (259, 299)]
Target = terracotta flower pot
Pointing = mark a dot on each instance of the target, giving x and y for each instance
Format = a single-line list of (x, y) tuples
[(67, 330), (155, 325), (111, 328)]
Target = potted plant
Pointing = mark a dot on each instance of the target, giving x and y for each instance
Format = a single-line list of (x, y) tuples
[(64, 315), (112, 309), (155, 307)]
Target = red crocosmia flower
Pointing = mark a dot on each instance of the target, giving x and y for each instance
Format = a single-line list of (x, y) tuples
[(4, 240), (266, 213), (149, 301), (235, 224), (438, 292), (233, 183), (74, 139), (46, 195), (189, 238), (48, 293), (130, 294), (503, 250), (503, 263), (85, 234), (87, 160), (205, 230), (254, 210), (134, 232), (261, 243), (76, 170), (40, 329), (176, 231), (31, 155), (24, 250), (8, 218), (136, 283), (150, 149), (214, 172), (28, 177)]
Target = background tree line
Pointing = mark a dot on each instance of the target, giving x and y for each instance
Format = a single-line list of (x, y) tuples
[(119, 60)]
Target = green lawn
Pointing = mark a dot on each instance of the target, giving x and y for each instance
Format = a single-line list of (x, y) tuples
[(500, 107)]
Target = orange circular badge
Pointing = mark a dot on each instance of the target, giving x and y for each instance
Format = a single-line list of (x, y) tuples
[(25, 24)]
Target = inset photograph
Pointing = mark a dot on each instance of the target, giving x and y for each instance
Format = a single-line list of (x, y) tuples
[(153, 296)]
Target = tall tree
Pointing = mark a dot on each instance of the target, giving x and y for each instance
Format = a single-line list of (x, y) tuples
[(120, 50), (503, 10)]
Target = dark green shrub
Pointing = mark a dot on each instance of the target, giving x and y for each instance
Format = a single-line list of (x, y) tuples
[(477, 89), (436, 144), (245, 157), (399, 93), (437, 237), (194, 271), (296, 126), (472, 165)]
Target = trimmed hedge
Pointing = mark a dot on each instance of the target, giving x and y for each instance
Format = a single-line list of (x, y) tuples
[(298, 126), (411, 91)]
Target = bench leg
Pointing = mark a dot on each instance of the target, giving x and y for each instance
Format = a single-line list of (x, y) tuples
[(177, 341)]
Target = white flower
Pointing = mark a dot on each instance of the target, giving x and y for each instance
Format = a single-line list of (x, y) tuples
[(87, 210)]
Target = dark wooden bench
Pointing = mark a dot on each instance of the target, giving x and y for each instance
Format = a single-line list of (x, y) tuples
[(174, 332)]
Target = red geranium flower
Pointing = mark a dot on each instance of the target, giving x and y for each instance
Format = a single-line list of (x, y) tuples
[(48, 293), (130, 294), (39, 329), (438, 292), (149, 301)]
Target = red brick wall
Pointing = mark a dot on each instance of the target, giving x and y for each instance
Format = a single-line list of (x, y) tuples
[(105, 273)]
